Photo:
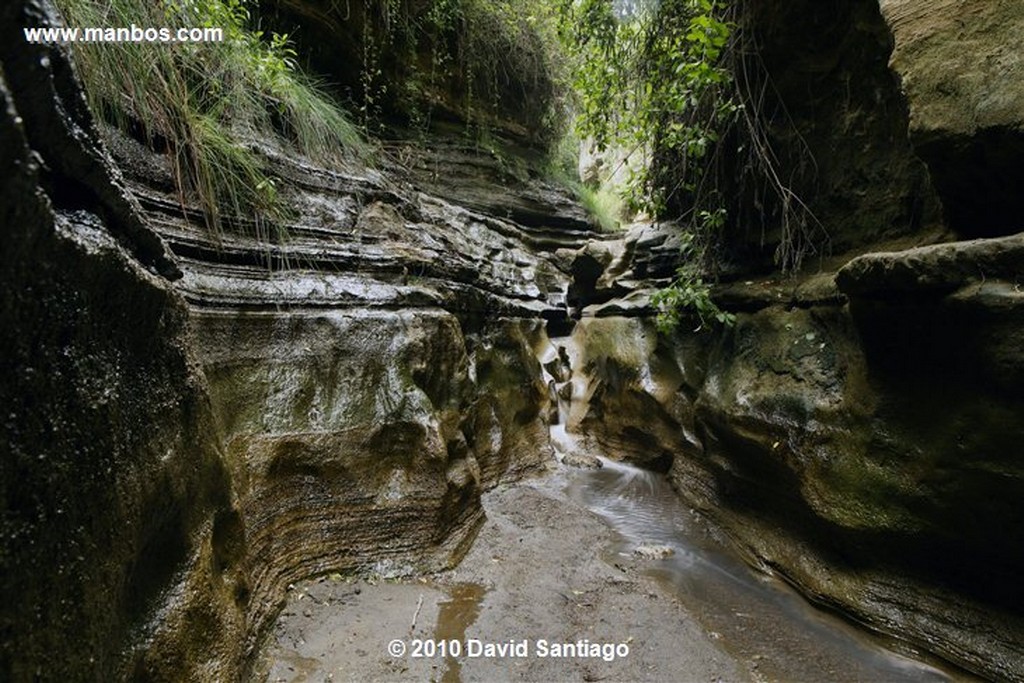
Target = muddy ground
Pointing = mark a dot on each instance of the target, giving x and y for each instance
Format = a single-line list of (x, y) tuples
[(609, 556), (538, 570)]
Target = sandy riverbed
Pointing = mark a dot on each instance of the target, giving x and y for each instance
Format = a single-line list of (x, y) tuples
[(535, 572)]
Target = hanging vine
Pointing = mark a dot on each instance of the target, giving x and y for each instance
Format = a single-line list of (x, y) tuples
[(680, 82), (482, 58)]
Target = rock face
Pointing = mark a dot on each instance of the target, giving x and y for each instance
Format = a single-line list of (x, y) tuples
[(862, 440), (859, 429), (961, 68), (627, 402), (435, 63), (370, 376), (820, 86), (841, 447), (114, 490), (178, 450), (193, 424)]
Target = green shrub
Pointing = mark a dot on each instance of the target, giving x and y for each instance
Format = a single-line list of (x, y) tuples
[(651, 79), (689, 296)]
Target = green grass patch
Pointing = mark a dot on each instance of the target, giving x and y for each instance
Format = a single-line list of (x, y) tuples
[(603, 204)]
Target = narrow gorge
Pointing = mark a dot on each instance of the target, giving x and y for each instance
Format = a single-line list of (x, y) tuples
[(432, 387)]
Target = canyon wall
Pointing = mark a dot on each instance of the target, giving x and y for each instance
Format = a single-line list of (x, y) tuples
[(858, 430), (196, 420), (113, 482), (370, 376)]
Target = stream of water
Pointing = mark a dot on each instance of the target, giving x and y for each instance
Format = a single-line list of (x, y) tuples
[(756, 617)]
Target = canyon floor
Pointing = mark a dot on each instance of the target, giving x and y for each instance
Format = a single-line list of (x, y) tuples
[(535, 571), (545, 566)]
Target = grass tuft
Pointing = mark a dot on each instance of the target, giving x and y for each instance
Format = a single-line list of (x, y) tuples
[(604, 203), (207, 103)]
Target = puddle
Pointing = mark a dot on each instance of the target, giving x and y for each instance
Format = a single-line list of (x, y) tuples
[(455, 615), (299, 669)]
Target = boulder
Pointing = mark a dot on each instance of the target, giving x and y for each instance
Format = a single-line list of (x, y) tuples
[(583, 461), (651, 551)]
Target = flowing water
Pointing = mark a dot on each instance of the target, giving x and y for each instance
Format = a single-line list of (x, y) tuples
[(756, 617)]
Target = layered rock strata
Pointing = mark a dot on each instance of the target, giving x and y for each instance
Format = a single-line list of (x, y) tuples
[(192, 428), (180, 449), (371, 374)]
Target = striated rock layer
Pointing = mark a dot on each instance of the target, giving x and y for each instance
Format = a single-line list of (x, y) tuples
[(179, 449), (369, 376)]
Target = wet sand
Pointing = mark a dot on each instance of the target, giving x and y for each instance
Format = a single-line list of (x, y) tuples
[(535, 572), (557, 561)]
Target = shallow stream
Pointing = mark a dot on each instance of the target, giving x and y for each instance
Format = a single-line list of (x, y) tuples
[(756, 617)]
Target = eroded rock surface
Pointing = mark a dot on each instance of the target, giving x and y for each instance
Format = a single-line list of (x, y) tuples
[(961, 68), (832, 111), (865, 432), (338, 401), (112, 479), (627, 401), (370, 376), (839, 432), (179, 453)]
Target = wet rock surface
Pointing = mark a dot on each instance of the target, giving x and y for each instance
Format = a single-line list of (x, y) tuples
[(649, 551), (180, 453), (801, 422), (501, 180), (334, 402), (375, 372), (370, 377), (112, 475), (838, 431), (628, 401), (584, 461)]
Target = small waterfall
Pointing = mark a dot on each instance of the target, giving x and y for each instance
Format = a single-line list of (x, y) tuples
[(557, 369), (567, 384)]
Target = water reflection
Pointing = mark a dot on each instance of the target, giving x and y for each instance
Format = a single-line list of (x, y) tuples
[(757, 618), (455, 615)]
